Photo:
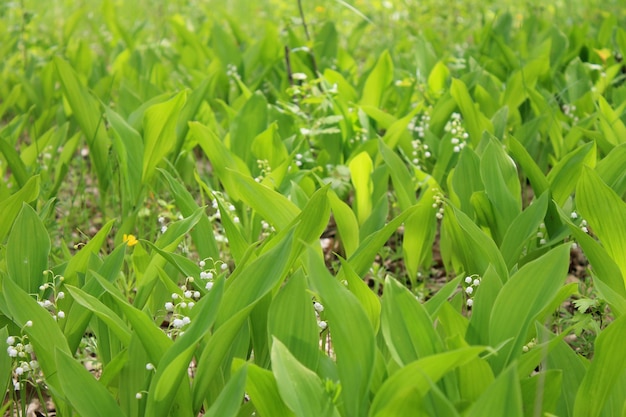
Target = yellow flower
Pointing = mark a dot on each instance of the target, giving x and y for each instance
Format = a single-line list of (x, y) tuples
[(130, 240), (320, 9)]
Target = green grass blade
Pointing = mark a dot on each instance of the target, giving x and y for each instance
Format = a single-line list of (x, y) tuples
[(361, 167)]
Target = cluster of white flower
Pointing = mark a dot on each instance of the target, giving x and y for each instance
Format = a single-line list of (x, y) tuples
[(457, 131), (420, 151), (541, 234), (210, 271), (232, 73), (471, 282), (583, 223), (43, 298), (319, 308), (570, 111), (528, 346), (420, 125), (438, 203), (21, 351), (264, 168)]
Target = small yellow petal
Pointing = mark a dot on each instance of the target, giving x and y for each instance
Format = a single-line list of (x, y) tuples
[(130, 240)]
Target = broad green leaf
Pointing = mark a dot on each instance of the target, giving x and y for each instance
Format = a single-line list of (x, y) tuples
[(44, 334), (419, 233), (361, 167), (352, 335), (541, 392), (564, 176), (249, 122), (538, 181), (172, 369), (292, 321), (27, 250), (86, 110), (10, 207), (377, 81), (406, 325), (402, 181), (221, 158), (104, 313), (502, 187), (229, 401), (202, 234), (521, 299), (92, 399), (159, 131), (300, 388), (605, 374), (264, 393), (610, 169), (484, 299), (270, 204), (606, 214), (6, 363), (523, 228), (128, 145), (362, 258), (357, 286), (502, 398), (80, 261), (347, 224), (403, 392), (475, 121)]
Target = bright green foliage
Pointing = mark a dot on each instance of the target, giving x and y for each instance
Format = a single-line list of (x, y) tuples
[(338, 208)]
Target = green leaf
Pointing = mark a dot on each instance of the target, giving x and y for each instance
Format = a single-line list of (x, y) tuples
[(229, 401), (606, 214), (523, 228), (104, 313), (564, 176), (87, 112), (44, 334), (605, 374), (403, 392), (521, 299), (159, 126), (92, 399), (264, 393), (419, 233), (402, 181), (406, 325), (270, 204), (377, 81), (300, 388), (10, 207), (249, 122), (502, 398), (27, 250), (292, 321), (352, 335), (357, 286), (347, 224), (361, 167), (475, 121), (171, 370)]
